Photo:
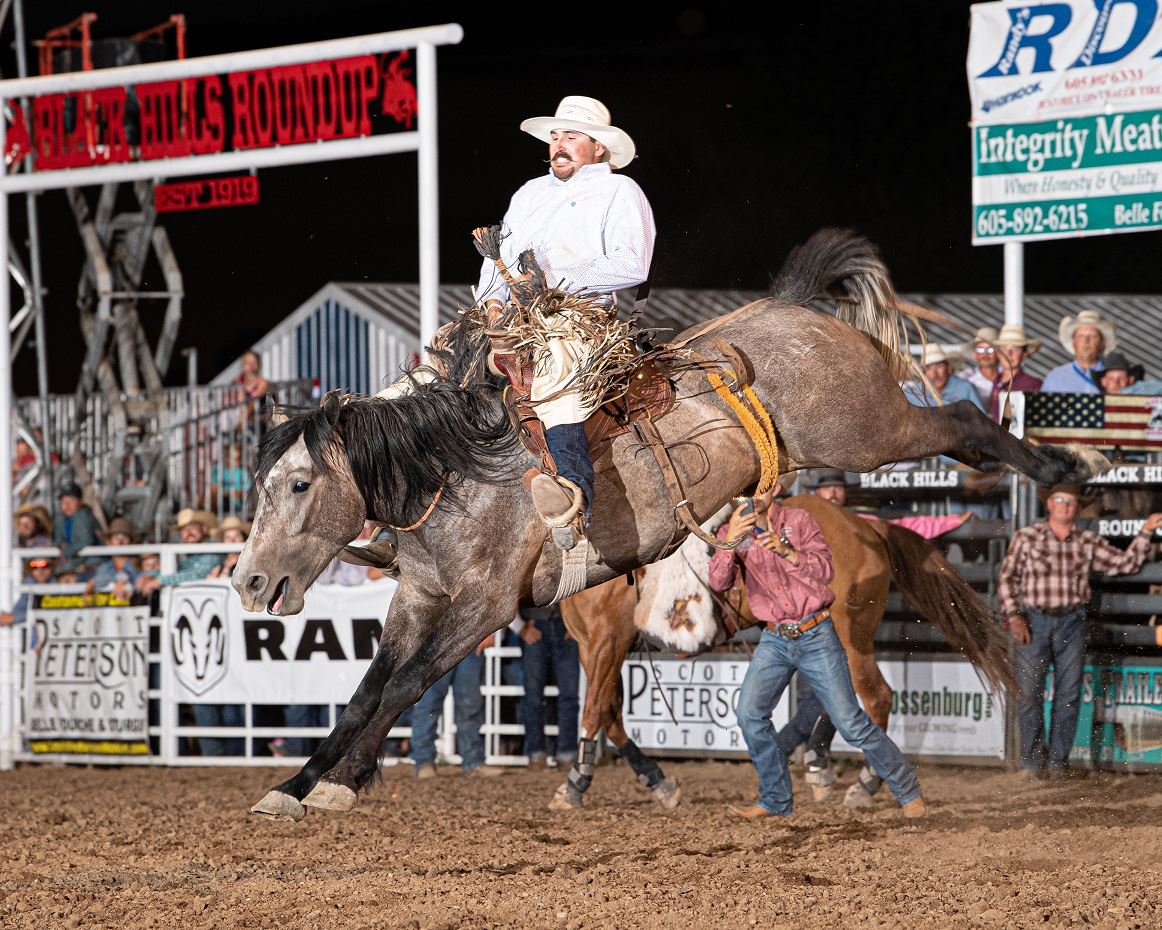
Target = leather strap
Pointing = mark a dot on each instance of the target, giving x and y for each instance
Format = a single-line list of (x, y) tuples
[(649, 436)]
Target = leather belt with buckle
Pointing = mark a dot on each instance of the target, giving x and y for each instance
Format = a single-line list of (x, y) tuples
[(795, 630), (1059, 612)]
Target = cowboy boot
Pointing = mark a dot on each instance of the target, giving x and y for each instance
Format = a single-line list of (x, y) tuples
[(378, 553)]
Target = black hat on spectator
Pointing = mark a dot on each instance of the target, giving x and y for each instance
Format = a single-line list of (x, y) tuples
[(826, 478), (71, 489), (1083, 494), (1116, 361)]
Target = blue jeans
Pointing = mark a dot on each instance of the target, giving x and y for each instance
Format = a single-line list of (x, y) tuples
[(303, 715), (808, 710), (820, 659), (555, 648), (220, 715), (464, 680), (1060, 641)]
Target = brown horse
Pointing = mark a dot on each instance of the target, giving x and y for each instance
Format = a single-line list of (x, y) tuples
[(444, 465), (867, 556)]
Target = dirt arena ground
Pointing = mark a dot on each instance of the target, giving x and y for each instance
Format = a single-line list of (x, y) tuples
[(137, 848)]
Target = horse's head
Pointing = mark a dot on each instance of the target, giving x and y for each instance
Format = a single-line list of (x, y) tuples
[(309, 507)]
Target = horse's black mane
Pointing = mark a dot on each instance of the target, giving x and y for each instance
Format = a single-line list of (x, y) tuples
[(401, 451)]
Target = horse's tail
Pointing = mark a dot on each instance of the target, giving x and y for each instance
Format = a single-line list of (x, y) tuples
[(932, 588), (845, 266)]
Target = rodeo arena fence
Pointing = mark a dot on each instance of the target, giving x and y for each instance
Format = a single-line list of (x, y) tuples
[(88, 679)]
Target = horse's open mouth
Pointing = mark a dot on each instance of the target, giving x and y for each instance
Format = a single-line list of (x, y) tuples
[(274, 606)]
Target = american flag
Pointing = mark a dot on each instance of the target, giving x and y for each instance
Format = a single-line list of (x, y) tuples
[(1105, 420)]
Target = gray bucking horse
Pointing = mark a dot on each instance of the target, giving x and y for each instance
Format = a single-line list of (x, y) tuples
[(443, 464)]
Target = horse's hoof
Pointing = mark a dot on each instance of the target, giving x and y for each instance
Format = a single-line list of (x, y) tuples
[(279, 806), (566, 798), (668, 793), (330, 796), (857, 796), (820, 793)]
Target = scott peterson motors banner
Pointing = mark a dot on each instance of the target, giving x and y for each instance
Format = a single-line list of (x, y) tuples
[(87, 676)]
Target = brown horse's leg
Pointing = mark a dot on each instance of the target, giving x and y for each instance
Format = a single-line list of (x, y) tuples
[(601, 620)]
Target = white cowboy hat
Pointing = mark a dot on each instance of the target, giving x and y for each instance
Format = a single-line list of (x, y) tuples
[(934, 355), (587, 115), (984, 334), (189, 515), (1069, 324), (1013, 334)]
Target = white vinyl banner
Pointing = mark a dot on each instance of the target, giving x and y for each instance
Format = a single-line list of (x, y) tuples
[(1067, 118), (941, 708), (686, 706), (219, 653), (87, 677)]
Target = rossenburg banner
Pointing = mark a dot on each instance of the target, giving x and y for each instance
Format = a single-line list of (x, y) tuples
[(1067, 118), (87, 676), (219, 654)]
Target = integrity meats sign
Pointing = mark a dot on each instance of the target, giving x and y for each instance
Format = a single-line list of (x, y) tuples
[(1067, 118)]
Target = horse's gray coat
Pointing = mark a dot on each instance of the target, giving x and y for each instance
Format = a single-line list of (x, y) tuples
[(466, 570)]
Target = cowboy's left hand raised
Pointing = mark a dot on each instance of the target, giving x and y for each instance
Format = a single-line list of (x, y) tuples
[(1152, 523)]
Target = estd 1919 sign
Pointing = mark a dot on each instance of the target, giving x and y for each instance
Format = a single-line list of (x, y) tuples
[(204, 193)]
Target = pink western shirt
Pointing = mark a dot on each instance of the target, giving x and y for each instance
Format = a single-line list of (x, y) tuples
[(778, 591)]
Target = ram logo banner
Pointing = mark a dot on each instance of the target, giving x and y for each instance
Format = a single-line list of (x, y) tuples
[(1067, 118), (222, 654), (199, 635)]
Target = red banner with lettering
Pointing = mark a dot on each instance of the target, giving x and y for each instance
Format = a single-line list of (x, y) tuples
[(288, 105)]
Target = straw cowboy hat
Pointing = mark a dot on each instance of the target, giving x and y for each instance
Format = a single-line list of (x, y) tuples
[(38, 514), (189, 515), (231, 523), (119, 525), (934, 354), (984, 334), (587, 115), (1013, 334), (1069, 324)]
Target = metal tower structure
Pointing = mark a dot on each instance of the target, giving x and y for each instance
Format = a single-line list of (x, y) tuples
[(120, 232)]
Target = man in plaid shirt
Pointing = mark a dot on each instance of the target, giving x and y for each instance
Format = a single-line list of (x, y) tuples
[(1044, 589)]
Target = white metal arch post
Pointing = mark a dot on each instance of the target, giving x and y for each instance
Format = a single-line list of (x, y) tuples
[(422, 141)]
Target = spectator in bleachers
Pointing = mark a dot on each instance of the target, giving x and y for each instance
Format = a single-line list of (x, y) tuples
[(233, 530), (1044, 590), (40, 572), (74, 528), (229, 480), (980, 349), (33, 527), (1087, 337), (194, 527), (545, 644), (1014, 347), (116, 574), (255, 389), (938, 371), (1120, 376), (464, 680)]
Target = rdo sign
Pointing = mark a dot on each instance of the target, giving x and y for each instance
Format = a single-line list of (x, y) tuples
[(1067, 118)]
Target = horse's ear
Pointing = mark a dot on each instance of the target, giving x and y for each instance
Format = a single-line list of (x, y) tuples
[(331, 404), (277, 414)]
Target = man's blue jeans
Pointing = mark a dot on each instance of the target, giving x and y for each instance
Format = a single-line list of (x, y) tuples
[(1060, 641), (819, 657), (555, 648), (464, 680)]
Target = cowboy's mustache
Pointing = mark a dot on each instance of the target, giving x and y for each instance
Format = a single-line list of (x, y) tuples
[(562, 154)]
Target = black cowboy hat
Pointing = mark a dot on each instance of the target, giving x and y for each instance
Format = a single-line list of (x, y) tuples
[(1116, 361), (826, 478)]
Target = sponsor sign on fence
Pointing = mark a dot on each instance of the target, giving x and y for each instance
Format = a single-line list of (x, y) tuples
[(1120, 718), (940, 707), (222, 654), (87, 677), (1067, 118)]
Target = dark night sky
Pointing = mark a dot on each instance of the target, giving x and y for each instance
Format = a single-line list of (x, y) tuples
[(755, 125)]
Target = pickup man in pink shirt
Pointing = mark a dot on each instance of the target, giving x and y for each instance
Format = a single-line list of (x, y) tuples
[(786, 566)]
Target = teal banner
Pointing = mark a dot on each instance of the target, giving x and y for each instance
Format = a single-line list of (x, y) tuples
[(1120, 720), (1052, 218)]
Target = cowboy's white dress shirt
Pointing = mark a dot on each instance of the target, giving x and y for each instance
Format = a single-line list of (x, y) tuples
[(594, 232)]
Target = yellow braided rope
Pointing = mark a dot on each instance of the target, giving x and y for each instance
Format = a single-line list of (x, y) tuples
[(763, 437)]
